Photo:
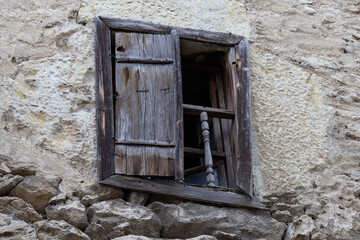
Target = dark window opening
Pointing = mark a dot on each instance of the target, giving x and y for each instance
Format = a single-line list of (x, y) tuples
[(202, 68)]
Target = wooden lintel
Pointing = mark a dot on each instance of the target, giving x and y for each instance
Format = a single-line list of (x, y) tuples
[(135, 26), (221, 38), (212, 112), (214, 195), (145, 60)]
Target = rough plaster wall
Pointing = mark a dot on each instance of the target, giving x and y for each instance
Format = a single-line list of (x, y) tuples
[(305, 83)]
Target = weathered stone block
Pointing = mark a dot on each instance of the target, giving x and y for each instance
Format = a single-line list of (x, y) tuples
[(72, 212), (96, 232), (8, 182), (110, 214), (60, 198), (37, 191), (19, 208), (12, 228), (283, 216), (60, 230), (138, 198), (300, 229), (188, 220)]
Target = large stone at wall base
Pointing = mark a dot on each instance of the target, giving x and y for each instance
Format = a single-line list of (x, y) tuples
[(8, 182), (59, 230), (19, 208), (71, 212), (188, 220), (96, 232), (133, 219), (12, 228), (37, 191)]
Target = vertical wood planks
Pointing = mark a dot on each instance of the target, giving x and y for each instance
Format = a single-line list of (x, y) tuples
[(225, 127), (145, 104), (243, 112), (104, 100), (179, 118)]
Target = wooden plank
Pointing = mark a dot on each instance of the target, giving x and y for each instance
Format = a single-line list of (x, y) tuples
[(179, 118), (226, 39), (215, 195), (243, 112), (120, 159), (135, 164), (221, 169), (212, 112), (145, 118), (145, 60), (135, 26), (104, 100), (216, 122), (198, 151), (153, 143), (202, 168), (225, 129)]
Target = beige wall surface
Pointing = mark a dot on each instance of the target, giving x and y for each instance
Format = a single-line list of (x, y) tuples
[(305, 69)]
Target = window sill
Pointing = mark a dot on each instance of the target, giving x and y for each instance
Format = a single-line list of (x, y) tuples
[(214, 195)]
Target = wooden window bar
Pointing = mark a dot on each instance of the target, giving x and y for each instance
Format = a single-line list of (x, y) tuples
[(204, 112)]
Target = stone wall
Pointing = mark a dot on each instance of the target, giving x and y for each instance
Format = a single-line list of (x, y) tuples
[(305, 58)]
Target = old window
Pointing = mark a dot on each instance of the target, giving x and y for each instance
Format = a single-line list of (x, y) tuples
[(153, 82)]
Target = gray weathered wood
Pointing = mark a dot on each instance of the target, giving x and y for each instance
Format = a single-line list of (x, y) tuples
[(104, 100), (199, 151), (145, 60), (243, 111), (212, 112), (179, 119), (152, 143), (145, 103), (216, 121), (224, 98), (210, 178), (226, 39), (215, 195)]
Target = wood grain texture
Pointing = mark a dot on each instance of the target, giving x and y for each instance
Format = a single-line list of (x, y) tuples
[(216, 121), (243, 112), (212, 112), (214, 195), (225, 129), (179, 118), (145, 103), (104, 100), (226, 39)]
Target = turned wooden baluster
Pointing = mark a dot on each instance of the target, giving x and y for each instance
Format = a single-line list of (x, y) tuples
[(210, 178)]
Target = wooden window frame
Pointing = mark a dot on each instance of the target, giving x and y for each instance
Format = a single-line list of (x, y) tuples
[(105, 117)]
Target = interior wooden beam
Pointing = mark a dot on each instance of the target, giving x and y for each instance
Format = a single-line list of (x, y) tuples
[(215, 195), (212, 112), (198, 151)]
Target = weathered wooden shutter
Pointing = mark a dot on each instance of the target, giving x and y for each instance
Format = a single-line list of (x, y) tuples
[(145, 105), (238, 98)]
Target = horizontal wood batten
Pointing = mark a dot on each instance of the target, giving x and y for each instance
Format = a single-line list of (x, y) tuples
[(212, 112), (221, 38), (198, 151), (215, 195), (146, 143), (145, 60)]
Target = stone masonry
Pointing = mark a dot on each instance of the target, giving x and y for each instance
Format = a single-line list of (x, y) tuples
[(305, 82)]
